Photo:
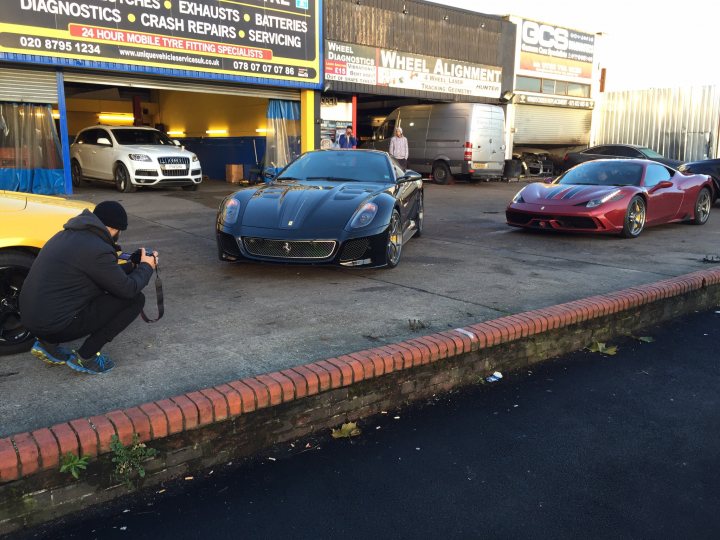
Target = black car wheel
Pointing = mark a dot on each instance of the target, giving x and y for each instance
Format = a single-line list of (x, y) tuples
[(394, 240), (122, 179), (420, 217), (702, 207), (14, 267), (634, 218), (441, 172)]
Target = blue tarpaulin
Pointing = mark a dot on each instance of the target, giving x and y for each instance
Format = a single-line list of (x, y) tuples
[(30, 158)]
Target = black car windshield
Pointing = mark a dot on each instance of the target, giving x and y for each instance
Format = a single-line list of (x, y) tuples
[(141, 136), (650, 153), (340, 165), (604, 173)]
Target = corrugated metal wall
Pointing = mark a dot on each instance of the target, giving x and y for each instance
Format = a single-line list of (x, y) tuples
[(679, 123), (464, 35)]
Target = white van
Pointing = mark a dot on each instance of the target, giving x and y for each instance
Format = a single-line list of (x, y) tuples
[(449, 139)]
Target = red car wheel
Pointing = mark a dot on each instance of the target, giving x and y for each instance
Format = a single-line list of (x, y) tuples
[(702, 207), (634, 218)]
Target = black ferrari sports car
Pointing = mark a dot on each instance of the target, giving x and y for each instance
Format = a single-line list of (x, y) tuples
[(352, 208)]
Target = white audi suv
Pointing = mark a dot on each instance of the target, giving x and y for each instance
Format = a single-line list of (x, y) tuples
[(132, 157)]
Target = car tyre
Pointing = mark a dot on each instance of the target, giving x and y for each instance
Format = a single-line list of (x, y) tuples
[(192, 187), (76, 173), (441, 173), (14, 267), (635, 216), (420, 216), (702, 207), (122, 179), (394, 241)]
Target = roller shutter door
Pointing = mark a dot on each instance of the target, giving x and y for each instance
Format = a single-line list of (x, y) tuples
[(183, 85), (28, 86), (551, 125)]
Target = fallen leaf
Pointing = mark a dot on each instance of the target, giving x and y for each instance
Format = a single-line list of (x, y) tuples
[(347, 430), (189, 478), (602, 348), (646, 339)]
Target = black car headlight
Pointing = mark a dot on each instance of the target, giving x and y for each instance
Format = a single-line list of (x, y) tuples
[(364, 216), (518, 197), (230, 211)]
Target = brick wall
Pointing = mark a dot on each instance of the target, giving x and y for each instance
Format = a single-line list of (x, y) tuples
[(212, 426)]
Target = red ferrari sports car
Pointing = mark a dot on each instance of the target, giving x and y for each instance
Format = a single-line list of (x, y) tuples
[(616, 196)]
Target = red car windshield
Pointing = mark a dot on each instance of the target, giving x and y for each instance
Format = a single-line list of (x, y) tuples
[(604, 173)]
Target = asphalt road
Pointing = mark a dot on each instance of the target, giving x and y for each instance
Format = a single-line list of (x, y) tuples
[(227, 321), (587, 446)]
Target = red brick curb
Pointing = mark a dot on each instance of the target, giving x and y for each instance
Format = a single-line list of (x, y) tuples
[(25, 454)]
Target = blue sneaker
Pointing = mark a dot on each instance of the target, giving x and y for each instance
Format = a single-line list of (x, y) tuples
[(59, 358), (94, 366)]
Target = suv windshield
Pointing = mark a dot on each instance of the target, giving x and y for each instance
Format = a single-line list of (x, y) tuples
[(141, 136), (341, 165), (604, 173)]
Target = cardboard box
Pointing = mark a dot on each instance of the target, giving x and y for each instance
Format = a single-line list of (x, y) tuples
[(234, 173)]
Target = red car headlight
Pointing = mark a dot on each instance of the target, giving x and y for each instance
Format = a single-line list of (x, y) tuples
[(612, 196)]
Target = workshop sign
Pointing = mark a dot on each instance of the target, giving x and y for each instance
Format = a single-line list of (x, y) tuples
[(554, 51), (374, 66), (273, 39)]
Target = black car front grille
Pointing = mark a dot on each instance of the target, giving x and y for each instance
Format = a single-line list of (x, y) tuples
[(228, 244), (354, 249), (291, 249), (143, 172), (174, 161)]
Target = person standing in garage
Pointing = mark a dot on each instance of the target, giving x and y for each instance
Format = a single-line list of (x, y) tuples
[(399, 148), (76, 288), (347, 141)]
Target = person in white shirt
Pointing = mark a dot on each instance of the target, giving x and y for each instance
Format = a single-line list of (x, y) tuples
[(399, 148)]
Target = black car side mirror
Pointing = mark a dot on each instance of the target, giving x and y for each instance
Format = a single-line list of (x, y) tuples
[(409, 176)]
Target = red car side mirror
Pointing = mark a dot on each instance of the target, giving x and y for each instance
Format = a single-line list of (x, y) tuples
[(662, 185)]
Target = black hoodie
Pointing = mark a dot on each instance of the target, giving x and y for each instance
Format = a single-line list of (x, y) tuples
[(76, 265)]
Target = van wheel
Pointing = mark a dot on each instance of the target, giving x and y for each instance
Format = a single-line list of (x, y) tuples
[(122, 179), (441, 172)]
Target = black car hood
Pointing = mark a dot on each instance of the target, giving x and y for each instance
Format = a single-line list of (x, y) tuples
[(308, 205)]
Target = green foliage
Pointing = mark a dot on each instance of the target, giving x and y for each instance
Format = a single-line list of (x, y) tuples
[(128, 460), (602, 348), (347, 430), (73, 464)]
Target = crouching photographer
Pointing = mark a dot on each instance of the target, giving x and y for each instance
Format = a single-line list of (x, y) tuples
[(76, 288)]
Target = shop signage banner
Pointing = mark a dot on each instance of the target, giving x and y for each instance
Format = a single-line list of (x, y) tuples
[(273, 39), (555, 51), (395, 69), (554, 101)]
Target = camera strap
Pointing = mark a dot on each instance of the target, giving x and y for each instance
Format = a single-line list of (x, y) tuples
[(158, 297)]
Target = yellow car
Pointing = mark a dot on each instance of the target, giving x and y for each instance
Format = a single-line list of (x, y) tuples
[(27, 221)]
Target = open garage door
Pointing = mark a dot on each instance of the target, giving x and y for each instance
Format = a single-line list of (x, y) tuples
[(182, 85), (538, 125)]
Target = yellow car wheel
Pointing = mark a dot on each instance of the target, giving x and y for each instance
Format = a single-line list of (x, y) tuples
[(14, 267)]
